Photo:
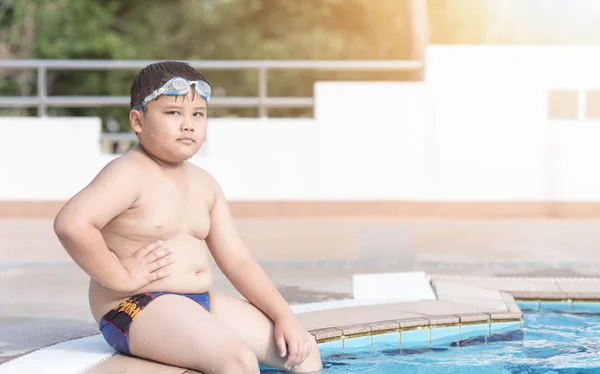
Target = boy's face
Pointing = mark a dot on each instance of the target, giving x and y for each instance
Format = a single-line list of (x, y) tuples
[(172, 128)]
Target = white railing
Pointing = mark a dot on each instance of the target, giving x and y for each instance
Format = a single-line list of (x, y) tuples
[(118, 142), (42, 101)]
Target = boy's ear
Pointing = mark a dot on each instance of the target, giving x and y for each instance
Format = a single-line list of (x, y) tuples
[(135, 119)]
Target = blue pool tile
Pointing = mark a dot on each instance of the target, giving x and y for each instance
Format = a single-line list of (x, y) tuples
[(555, 306), (586, 307), (471, 331), (415, 338), (332, 346), (443, 335), (529, 306), (392, 338), (362, 343), (505, 326)]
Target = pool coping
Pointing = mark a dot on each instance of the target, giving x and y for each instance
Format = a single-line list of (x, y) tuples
[(524, 288), (527, 289), (452, 291), (513, 314)]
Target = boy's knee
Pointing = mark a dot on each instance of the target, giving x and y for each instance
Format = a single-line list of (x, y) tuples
[(313, 363), (242, 361)]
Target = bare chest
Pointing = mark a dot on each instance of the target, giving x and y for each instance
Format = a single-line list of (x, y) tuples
[(166, 210)]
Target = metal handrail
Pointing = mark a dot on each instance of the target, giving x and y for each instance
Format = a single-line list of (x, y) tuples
[(42, 101)]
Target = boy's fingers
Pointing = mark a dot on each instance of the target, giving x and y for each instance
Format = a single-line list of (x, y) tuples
[(308, 347), (160, 263), (159, 274), (280, 342), (149, 248), (157, 254), (302, 355), (293, 354)]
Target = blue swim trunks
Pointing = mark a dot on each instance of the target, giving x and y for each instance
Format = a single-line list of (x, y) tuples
[(115, 324)]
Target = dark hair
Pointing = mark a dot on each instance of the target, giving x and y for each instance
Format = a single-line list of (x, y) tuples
[(155, 75)]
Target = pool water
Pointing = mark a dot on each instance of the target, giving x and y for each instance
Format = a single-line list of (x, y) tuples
[(551, 341)]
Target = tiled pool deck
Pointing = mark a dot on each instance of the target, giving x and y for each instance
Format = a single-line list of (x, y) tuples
[(461, 311), (475, 285)]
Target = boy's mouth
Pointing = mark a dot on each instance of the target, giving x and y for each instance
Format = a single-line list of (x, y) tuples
[(186, 140)]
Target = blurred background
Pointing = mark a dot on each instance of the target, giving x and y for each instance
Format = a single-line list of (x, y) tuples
[(448, 136), (482, 100)]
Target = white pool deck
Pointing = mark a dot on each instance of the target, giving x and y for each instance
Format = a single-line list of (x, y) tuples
[(345, 280)]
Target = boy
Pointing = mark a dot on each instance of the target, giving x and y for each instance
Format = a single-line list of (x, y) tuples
[(143, 230)]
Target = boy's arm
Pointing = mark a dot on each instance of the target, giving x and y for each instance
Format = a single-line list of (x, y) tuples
[(251, 281), (236, 262), (78, 224)]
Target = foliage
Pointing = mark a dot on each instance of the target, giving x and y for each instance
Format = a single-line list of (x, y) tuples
[(234, 30)]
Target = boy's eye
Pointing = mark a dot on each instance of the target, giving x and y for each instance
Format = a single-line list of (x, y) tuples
[(199, 114), (172, 112)]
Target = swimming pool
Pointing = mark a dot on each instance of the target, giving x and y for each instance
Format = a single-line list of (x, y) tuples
[(555, 338)]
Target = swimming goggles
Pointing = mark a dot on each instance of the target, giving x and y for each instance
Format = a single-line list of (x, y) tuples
[(178, 87)]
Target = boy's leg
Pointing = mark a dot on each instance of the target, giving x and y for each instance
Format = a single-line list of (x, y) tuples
[(178, 331), (255, 330)]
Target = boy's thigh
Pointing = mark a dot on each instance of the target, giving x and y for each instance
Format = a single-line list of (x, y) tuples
[(178, 331), (256, 330)]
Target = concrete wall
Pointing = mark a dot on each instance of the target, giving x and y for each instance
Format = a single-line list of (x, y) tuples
[(494, 136), (47, 159), (477, 129)]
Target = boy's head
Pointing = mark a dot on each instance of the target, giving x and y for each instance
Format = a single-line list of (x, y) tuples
[(168, 110)]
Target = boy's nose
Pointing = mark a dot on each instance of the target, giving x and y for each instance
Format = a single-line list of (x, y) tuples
[(188, 126)]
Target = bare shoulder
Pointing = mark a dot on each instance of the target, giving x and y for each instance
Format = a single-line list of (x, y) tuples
[(127, 165), (206, 180), (201, 173), (112, 191)]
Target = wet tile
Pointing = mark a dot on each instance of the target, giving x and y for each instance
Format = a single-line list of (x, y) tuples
[(362, 343), (497, 327), (586, 307), (334, 346), (559, 306), (414, 338), (391, 338), (470, 331), (529, 306), (444, 335)]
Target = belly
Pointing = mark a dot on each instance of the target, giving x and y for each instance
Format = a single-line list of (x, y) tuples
[(191, 273)]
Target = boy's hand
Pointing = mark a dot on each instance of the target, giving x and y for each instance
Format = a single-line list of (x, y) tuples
[(147, 265), (292, 339)]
